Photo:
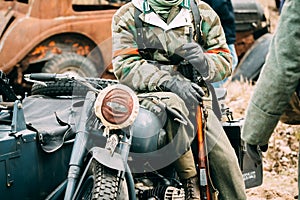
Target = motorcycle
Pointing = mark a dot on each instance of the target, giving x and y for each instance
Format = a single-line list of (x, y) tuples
[(89, 138)]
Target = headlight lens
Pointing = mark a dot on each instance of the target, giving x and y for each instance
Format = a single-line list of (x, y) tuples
[(117, 106)]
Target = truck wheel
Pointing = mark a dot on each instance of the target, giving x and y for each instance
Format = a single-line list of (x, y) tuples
[(71, 63), (254, 59), (68, 87)]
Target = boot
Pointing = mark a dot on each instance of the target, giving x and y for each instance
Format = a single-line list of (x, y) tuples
[(191, 188)]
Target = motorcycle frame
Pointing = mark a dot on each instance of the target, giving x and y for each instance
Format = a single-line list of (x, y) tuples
[(117, 160), (81, 158)]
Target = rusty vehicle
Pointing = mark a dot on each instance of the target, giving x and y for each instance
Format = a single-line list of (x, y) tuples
[(55, 36), (73, 36)]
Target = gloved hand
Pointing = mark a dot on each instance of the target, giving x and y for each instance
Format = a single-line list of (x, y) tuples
[(254, 152), (187, 90), (195, 56)]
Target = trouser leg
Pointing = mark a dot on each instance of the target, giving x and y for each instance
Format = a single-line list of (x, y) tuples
[(179, 136), (225, 172), (185, 166), (224, 169)]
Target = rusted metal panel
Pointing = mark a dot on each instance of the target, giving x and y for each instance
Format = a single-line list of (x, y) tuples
[(26, 29), (47, 18), (45, 9)]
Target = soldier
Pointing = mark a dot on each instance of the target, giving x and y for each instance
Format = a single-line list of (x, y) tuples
[(155, 49), (274, 97)]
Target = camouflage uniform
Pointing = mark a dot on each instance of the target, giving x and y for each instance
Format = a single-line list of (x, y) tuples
[(278, 80), (145, 76)]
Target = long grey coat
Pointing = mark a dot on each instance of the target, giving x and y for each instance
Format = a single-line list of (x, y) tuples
[(278, 80)]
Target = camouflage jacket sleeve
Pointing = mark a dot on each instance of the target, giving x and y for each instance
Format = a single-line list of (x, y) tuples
[(131, 69), (216, 49)]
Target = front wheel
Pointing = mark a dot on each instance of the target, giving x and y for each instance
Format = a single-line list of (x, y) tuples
[(102, 183), (106, 183)]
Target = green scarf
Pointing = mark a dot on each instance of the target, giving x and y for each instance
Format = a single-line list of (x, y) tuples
[(163, 7)]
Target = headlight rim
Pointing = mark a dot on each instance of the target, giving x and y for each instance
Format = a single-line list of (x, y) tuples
[(99, 102)]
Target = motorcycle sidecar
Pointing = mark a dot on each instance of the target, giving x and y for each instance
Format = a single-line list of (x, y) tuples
[(26, 170)]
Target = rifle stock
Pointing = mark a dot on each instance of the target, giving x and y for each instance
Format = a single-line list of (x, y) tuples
[(202, 157)]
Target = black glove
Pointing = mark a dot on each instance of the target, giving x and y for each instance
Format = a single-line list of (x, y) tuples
[(187, 90), (254, 152), (195, 56)]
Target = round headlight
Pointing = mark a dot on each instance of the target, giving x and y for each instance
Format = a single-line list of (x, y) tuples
[(117, 106)]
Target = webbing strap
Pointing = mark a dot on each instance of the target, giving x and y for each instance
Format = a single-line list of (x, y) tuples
[(139, 29), (197, 20)]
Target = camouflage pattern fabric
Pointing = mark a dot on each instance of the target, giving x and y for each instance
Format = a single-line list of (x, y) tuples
[(131, 69), (144, 76)]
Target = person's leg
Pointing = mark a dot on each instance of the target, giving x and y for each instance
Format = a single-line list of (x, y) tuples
[(179, 135), (186, 170), (224, 169)]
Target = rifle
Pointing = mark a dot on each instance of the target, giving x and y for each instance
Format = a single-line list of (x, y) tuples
[(207, 190)]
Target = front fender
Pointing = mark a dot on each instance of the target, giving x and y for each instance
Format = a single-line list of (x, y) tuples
[(104, 157)]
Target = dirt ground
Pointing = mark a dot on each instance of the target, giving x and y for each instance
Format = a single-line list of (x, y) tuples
[(280, 161)]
